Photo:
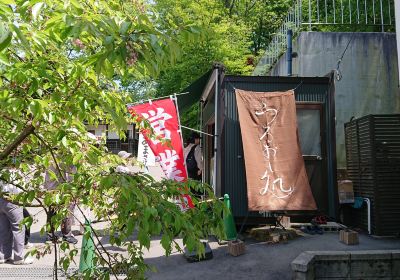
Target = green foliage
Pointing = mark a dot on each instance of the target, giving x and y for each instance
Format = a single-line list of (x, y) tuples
[(234, 33), (62, 63), (223, 39), (263, 18)]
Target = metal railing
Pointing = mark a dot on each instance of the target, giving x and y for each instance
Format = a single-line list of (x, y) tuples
[(277, 46), (115, 145), (349, 12), (327, 15)]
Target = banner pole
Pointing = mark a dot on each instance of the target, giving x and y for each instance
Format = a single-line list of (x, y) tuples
[(180, 131)]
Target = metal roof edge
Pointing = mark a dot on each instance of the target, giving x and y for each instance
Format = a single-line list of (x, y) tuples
[(263, 79)]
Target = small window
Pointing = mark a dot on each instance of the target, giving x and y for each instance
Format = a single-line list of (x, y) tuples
[(309, 125)]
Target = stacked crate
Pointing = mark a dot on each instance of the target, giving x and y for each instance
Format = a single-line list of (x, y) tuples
[(373, 164)]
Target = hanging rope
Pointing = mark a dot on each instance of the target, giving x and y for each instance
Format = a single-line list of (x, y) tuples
[(338, 74), (298, 85), (196, 130)]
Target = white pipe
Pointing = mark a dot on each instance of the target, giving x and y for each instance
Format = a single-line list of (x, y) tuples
[(216, 127), (369, 213)]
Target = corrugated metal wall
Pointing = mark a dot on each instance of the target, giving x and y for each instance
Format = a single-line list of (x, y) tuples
[(313, 90)]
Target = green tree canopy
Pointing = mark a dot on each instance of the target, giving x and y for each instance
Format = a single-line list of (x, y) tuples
[(235, 33), (63, 64)]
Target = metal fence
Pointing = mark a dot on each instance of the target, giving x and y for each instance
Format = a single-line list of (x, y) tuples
[(116, 145), (277, 46), (328, 15), (348, 12)]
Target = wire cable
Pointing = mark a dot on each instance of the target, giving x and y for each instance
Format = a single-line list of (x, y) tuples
[(338, 73)]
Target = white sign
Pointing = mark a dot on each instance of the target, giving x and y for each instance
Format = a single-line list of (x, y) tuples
[(145, 154), (270, 152)]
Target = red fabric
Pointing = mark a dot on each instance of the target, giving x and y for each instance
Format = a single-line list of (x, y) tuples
[(163, 119)]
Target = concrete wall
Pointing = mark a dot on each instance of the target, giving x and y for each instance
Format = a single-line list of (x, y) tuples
[(369, 83), (321, 265), (99, 131), (397, 13)]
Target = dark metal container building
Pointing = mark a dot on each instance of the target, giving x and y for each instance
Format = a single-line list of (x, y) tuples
[(316, 122), (373, 164)]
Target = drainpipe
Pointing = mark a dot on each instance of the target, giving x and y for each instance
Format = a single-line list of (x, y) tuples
[(366, 200), (289, 52), (203, 176)]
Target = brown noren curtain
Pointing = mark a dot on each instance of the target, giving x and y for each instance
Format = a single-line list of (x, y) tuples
[(275, 171)]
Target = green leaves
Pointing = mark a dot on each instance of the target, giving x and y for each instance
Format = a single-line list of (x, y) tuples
[(37, 107), (166, 242), (21, 37), (4, 59), (27, 221), (64, 141), (76, 4), (144, 238), (62, 66), (5, 36), (124, 27), (36, 9)]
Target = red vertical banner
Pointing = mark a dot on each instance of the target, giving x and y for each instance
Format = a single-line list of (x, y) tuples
[(163, 119)]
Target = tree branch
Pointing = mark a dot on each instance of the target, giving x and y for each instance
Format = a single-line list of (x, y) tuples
[(8, 198), (24, 190), (231, 7), (29, 129), (17, 56), (52, 155), (8, 118)]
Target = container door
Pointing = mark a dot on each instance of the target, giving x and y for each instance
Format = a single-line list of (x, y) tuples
[(312, 143)]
